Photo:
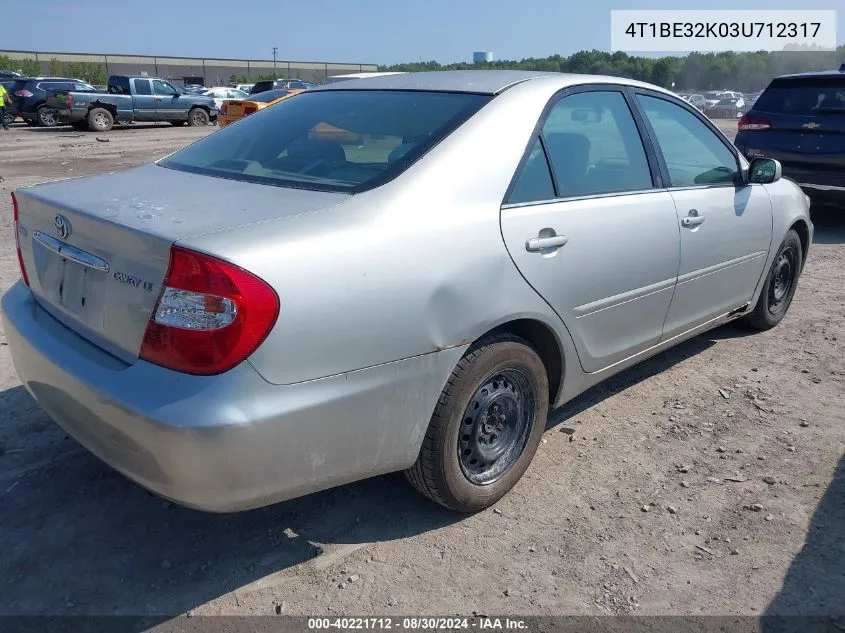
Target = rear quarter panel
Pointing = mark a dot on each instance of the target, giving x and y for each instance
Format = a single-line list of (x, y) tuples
[(412, 267)]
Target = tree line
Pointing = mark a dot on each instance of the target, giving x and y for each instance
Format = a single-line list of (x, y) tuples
[(89, 72), (745, 72)]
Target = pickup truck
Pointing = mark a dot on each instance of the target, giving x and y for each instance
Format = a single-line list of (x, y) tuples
[(131, 99)]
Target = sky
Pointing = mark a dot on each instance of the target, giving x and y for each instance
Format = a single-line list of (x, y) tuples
[(362, 31)]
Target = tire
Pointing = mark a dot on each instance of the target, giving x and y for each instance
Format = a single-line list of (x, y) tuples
[(197, 117), (779, 288), (47, 117), (177, 123), (100, 120), (80, 125), (448, 469), (8, 119)]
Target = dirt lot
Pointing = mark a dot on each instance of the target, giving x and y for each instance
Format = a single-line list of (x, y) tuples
[(639, 500)]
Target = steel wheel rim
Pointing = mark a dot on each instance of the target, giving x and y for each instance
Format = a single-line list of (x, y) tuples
[(496, 426), (48, 116), (198, 118), (100, 120), (782, 280)]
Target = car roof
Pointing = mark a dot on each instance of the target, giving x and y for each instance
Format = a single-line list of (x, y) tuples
[(815, 73), (489, 82)]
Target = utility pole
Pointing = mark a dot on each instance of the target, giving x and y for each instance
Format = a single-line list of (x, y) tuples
[(275, 72)]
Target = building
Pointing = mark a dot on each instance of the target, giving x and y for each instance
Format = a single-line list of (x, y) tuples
[(188, 70), (482, 56)]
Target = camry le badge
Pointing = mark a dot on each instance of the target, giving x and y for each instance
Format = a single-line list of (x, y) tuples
[(811, 126), (62, 225)]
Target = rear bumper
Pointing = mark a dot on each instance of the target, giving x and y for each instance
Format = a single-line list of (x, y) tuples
[(229, 442)]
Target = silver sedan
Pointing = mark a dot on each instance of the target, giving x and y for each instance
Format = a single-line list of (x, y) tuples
[(395, 273)]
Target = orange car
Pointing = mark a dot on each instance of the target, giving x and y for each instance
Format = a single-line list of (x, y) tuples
[(234, 110)]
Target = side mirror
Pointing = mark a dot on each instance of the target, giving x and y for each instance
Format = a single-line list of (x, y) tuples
[(763, 171)]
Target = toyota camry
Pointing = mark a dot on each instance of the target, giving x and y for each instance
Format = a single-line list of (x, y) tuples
[(269, 311)]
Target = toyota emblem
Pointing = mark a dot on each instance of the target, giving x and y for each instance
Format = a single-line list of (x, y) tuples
[(62, 225)]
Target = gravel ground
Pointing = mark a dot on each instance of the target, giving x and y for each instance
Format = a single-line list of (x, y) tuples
[(707, 480)]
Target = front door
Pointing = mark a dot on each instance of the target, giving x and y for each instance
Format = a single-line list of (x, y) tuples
[(590, 229), (170, 105), (726, 225), (143, 99)]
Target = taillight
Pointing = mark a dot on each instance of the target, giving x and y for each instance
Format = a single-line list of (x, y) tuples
[(222, 109), (18, 239), (747, 122), (210, 316), (250, 109), (23, 93), (69, 101)]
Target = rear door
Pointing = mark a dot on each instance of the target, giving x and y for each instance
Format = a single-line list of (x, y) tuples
[(590, 228), (143, 99), (800, 121), (725, 225)]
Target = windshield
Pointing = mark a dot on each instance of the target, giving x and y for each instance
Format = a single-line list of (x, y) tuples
[(803, 97), (333, 140)]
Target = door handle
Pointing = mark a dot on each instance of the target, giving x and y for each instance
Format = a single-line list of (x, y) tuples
[(536, 244), (692, 219)]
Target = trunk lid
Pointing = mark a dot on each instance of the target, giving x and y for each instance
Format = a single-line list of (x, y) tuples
[(97, 249)]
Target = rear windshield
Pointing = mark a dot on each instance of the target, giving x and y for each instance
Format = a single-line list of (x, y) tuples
[(261, 86), (269, 95), (804, 97), (333, 140)]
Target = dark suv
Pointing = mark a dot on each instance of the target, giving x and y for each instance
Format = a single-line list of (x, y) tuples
[(281, 84), (29, 96), (800, 121)]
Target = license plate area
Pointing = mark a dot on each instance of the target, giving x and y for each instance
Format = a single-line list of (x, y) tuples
[(69, 281)]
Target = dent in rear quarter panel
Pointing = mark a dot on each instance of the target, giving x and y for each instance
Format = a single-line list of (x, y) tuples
[(408, 268)]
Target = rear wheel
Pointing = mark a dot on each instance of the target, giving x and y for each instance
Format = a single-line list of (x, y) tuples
[(197, 117), (8, 119), (100, 120), (48, 117), (780, 285), (486, 426)]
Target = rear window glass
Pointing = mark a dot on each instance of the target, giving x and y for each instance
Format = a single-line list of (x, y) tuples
[(261, 86), (269, 95), (803, 97), (334, 140)]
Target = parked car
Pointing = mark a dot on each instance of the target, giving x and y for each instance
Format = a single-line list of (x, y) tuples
[(281, 84), (726, 108), (244, 87), (9, 74), (132, 99), (195, 88), (29, 96), (696, 100), (221, 93), (800, 121), (263, 314), (236, 109)]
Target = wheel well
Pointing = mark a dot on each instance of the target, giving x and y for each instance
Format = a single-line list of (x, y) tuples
[(105, 106), (545, 343), (803, 231)]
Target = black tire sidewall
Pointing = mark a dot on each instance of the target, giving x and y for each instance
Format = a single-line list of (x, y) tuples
[(457, 491), (192, 113), (94, 127), (39, 113), (761, 315)]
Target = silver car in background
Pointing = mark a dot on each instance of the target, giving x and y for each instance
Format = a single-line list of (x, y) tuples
[(396, 273)]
